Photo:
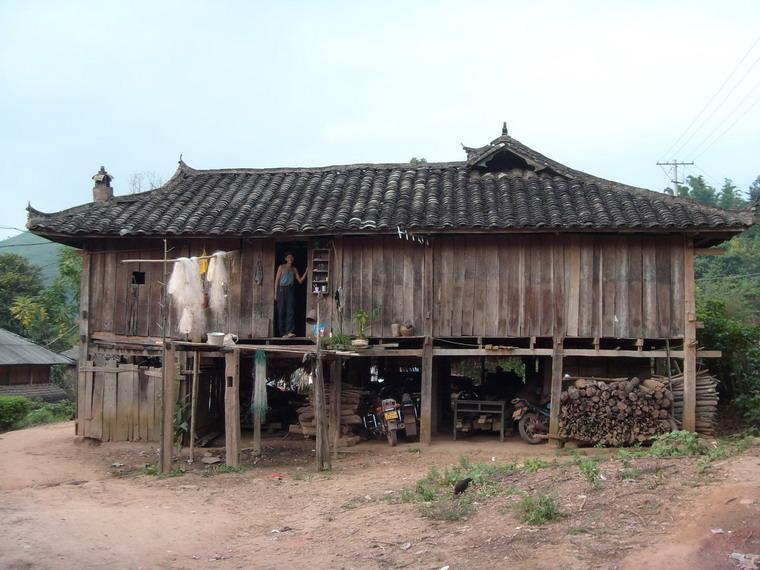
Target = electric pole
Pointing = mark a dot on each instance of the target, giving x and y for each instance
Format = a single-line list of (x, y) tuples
[(675, 164)]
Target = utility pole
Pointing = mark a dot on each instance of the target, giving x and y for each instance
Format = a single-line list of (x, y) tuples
[(675, 164)]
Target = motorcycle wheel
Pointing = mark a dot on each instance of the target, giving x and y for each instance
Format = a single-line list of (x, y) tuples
[(392, 437), (529, 427)]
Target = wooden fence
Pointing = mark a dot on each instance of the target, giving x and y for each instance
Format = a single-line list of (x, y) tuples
[(119, 402)]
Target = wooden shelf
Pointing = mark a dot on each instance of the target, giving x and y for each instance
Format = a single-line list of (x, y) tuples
[(320, 270)]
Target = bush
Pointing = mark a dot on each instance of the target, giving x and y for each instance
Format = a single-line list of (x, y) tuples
[(12, 410), (539, 510), (677, 444), (43, 413)]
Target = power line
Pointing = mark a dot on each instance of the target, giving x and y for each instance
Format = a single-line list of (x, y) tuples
[(731, 126), (716, 109), (710, 101)]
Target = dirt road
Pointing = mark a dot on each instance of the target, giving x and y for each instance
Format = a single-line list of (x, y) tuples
[(65, 504)]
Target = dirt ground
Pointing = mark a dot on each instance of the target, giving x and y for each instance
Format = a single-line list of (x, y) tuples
[(66, 503)]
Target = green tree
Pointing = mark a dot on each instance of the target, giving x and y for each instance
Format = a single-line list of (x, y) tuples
[(754, 191), (699, 190), (417, 161), (17, 278), (730, 196), (50, 316)]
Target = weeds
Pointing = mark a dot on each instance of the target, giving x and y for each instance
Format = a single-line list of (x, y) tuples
[(589, 468), (154, 470), (212, 470), (677, 444), (416, 450), (538, 510), (447, 509)]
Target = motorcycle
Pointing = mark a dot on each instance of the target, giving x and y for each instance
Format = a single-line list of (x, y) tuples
[(532, 420), (386, 417)]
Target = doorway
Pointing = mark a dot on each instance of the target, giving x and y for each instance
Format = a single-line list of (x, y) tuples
[(300, 251)]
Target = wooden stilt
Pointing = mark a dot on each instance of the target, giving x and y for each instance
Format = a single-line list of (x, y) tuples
[(689, 340), (260, 372), (167, 407), (320, 416), (336, 371), (426, 412), (194, 401), (556, 388), (232, 407)]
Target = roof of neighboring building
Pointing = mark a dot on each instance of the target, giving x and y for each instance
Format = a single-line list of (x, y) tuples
[(15, 349), (501, 186)]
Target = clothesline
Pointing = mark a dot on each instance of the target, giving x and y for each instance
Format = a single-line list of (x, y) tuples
[(170, 260)]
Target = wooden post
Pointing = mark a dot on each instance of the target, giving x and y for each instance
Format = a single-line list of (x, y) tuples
[(194, 400), (556, 388), (84, 331), (167, 407), (320, 415), (689, 340), (336, 371), (427, 290), (426, 413), (232, 407), (261, 372)]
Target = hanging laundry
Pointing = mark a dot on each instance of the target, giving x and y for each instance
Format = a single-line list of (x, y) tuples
[(217, 278), (203, 262), (186, 288)]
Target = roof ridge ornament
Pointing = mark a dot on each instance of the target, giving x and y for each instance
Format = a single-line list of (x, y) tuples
[(504, 131)]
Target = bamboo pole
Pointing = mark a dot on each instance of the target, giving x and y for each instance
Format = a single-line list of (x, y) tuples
[(194, 402)]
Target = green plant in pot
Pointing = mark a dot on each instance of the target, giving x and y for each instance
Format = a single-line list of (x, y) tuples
[(363, 318), (337, 341)]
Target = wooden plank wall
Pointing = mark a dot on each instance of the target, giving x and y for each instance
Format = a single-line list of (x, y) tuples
[(605, 286), (520, 286), (119, 402), (616, 286), (119, 306), (382, 273)]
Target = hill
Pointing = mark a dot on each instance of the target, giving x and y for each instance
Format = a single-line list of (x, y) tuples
[(37, 250)]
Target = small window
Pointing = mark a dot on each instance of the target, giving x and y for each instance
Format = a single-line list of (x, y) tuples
[(138, 278)]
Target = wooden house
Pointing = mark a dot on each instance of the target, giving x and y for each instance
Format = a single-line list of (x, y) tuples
[(506, 253), (25, 368)]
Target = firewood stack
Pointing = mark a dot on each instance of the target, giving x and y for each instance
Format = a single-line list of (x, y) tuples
[(615, 412), (349, 412), (707, 400)]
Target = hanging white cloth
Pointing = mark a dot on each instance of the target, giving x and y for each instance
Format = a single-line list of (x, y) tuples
[(217, 278), (186, 288)]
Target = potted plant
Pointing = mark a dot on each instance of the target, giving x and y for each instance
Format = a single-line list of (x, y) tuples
[(337, 342), (363, 318)]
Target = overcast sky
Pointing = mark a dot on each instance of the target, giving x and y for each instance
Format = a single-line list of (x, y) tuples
[(605, 87)]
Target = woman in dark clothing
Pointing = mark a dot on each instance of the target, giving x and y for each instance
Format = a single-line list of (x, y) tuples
[(284, 293)]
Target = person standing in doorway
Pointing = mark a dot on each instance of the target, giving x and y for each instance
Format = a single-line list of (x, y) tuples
[(285, 294)]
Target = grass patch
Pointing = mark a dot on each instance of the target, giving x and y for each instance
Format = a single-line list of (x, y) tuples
[(538, 510), (212, 470), (447, 509), (353, 503), (416, 450), (589, 468), (154, 469), (677, 444)]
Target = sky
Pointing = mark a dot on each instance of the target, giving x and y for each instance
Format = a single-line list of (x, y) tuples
[(604, 87)]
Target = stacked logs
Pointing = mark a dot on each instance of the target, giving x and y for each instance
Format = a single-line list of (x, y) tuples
[(707, 400), (615, 411), (349, 412)]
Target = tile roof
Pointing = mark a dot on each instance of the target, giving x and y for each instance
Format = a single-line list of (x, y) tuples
[(501, 186), (15, 349)]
